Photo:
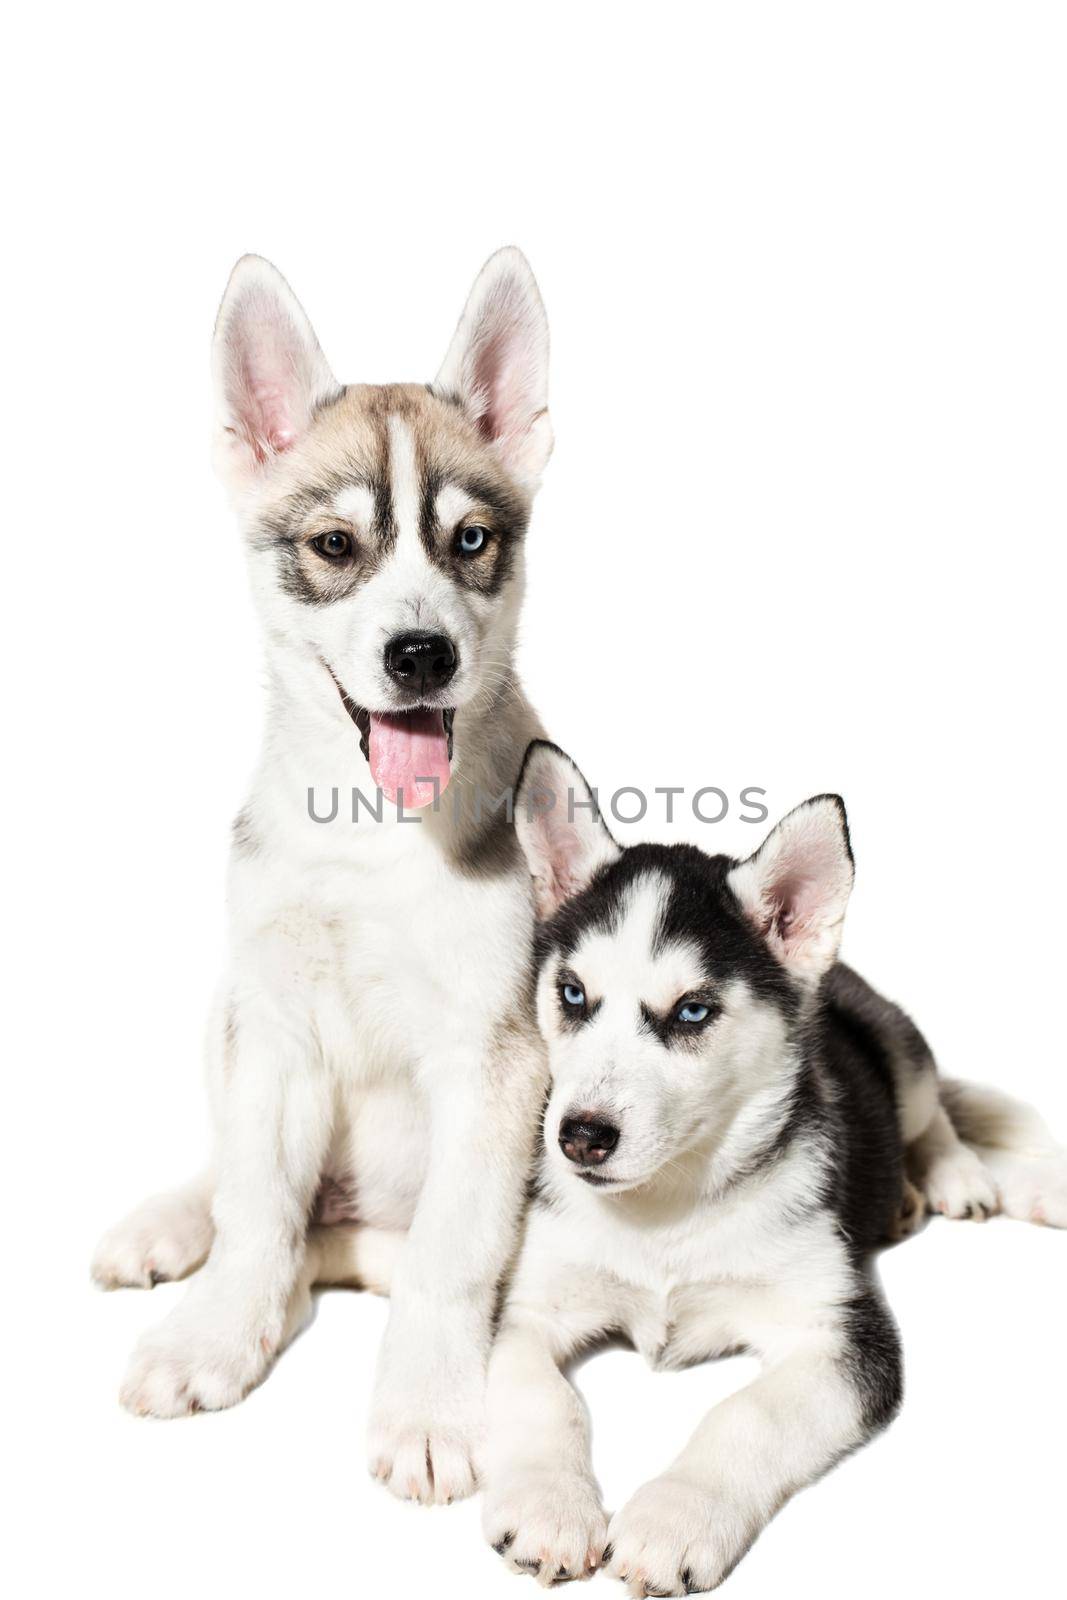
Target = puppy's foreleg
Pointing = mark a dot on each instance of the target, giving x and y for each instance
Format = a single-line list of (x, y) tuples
[(685, 1531), (428, 1419), (274, 1123), (542, 1508)]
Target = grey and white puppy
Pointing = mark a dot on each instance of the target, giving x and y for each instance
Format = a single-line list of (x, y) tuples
[(371, 1053)]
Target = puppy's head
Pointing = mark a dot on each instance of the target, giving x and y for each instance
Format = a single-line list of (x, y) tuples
[(669, 982), (385, 523)]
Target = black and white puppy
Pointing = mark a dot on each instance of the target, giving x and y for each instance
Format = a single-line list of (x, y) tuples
[(732, 1122)]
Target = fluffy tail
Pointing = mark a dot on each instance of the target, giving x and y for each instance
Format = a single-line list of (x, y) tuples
[(1016, 1147)]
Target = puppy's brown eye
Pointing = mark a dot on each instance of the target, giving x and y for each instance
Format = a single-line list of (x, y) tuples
[(334, 545)]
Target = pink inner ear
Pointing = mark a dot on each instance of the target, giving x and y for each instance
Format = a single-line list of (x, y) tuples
[(795, 888), (805, 893), (267, 383), (796, 902), (498, 362), (562, 853), (265, 407), (275, 427), (566, 866)]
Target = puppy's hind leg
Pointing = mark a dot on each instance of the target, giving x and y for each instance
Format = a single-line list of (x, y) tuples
[(951, 1176), (940, 1171), (274, 1119), (909, 1219), (170, 1234), (1013, 1142), (165, 1238), (953, 1179), (969, 1150)]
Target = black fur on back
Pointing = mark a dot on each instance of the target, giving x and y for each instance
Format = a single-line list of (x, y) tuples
[(853, 1059)]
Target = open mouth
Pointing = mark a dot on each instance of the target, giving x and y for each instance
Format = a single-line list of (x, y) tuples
[(409, 752)]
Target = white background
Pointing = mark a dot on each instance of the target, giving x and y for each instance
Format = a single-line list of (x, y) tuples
[(805, 271)]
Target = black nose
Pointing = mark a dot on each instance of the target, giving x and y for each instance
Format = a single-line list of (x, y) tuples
[(420, 662), (586, 1140)]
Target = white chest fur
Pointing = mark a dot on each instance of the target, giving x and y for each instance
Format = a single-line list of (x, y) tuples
[(684, 1278)]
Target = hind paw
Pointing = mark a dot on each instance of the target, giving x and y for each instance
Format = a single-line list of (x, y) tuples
[(1034, 1189), (911, 1216), (162, 1240), (957, 1185)]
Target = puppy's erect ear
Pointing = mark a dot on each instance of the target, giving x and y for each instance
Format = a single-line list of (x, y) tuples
[(269, 371), (560, 830), (497, 365), (796, 887)]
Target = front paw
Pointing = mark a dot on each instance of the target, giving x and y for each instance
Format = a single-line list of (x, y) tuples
[(673, 1537), (425, 1447), (196, 1360), (549, 1524)]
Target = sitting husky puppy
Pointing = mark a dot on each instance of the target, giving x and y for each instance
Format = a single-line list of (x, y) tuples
[(731, 1120), (370, 1053)]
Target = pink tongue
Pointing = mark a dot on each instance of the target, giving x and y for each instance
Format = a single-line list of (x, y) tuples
[(408, 751)]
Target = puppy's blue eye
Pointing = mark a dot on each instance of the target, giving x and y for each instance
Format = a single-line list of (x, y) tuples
[(472, 539), (693, 1013), (573, 995)]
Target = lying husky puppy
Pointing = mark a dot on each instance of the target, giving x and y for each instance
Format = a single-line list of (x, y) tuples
[(371, 1046), (732, 1118)]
